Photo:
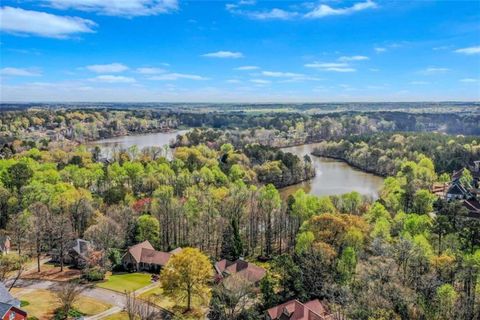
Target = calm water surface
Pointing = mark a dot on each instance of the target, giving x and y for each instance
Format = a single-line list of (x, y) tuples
[(159, 139), (333, 177)]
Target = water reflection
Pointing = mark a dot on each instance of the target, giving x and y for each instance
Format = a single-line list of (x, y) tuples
[(333, 177)]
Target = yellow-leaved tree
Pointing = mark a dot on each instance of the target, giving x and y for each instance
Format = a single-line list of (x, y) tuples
[(187, 274)]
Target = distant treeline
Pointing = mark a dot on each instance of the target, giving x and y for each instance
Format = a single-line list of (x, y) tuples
[(293, 127)]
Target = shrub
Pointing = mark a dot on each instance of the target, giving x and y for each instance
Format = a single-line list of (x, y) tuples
[(94, 274)]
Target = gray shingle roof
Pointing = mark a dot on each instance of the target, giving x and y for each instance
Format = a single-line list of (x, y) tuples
[(6, 297), (4, 309)]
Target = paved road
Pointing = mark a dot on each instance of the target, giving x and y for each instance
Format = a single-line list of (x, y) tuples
[(116, 299)]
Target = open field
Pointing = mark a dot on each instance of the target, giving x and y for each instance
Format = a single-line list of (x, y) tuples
[(121, 282), (157, 297), (42, 303)]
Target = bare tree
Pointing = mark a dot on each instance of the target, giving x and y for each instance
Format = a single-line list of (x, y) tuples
[(39, 224), (62, 235), (67, 294), (143, 309), (131, 305)]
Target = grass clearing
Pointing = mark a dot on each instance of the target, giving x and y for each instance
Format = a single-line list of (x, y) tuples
[(42, 303), (122, 282), (156, 296)]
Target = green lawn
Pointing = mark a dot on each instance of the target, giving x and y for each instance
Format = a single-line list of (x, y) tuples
[(122, 282)]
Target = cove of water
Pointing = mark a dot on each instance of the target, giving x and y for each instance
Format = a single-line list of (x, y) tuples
[(333, 177)]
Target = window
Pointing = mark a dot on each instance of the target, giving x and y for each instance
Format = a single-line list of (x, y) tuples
[(12, 315)]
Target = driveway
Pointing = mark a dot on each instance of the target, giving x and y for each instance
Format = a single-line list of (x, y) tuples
[(116, 299)]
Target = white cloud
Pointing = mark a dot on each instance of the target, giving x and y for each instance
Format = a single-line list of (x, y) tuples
[(434, 70), (288, 76), (28, 22), (273, 14), (233, 81), (107, 68), (19, 72), (331, 66), (469, 50), (149, 70), (324, 10), (278, 74), (124, 8), (469, 80), (260, 81), (113, 79), (243, 68), (224, 54), (177, 76), (380, 49), (353, 58)]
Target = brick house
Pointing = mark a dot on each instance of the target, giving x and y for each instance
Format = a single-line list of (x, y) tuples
[(143, 257), (249, 271), (295, 310)]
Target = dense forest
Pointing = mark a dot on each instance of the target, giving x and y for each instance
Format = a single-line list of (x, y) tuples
[(407, 255), (280, 128)]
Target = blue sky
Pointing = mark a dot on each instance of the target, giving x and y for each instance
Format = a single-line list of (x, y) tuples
[(239, 51)]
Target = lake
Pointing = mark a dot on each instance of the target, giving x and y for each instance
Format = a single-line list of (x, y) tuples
[(333, 177), (158, 139)]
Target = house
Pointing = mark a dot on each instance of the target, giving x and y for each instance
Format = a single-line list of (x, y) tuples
[(5, 244), (9, 306), (251, 272), (456, 190), (295, 310), (9, 312), (78, 252), (143, 257)]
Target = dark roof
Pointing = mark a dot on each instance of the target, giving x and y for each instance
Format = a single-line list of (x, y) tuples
[(457, 188), (154, 257), (295, 310), (136, 250), (248, 270), (145, 253), (80, 247)]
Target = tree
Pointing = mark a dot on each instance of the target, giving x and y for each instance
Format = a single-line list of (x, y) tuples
[(187, 274), (231, 299), (290, 280), (9, 264), (267, 288), (346, 264), (40, 222), (423, 201), (147, 228), (232, 246), (67, 294), (269, 202), (106, 233), (446, 298), (18, 175), (62, 235)]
